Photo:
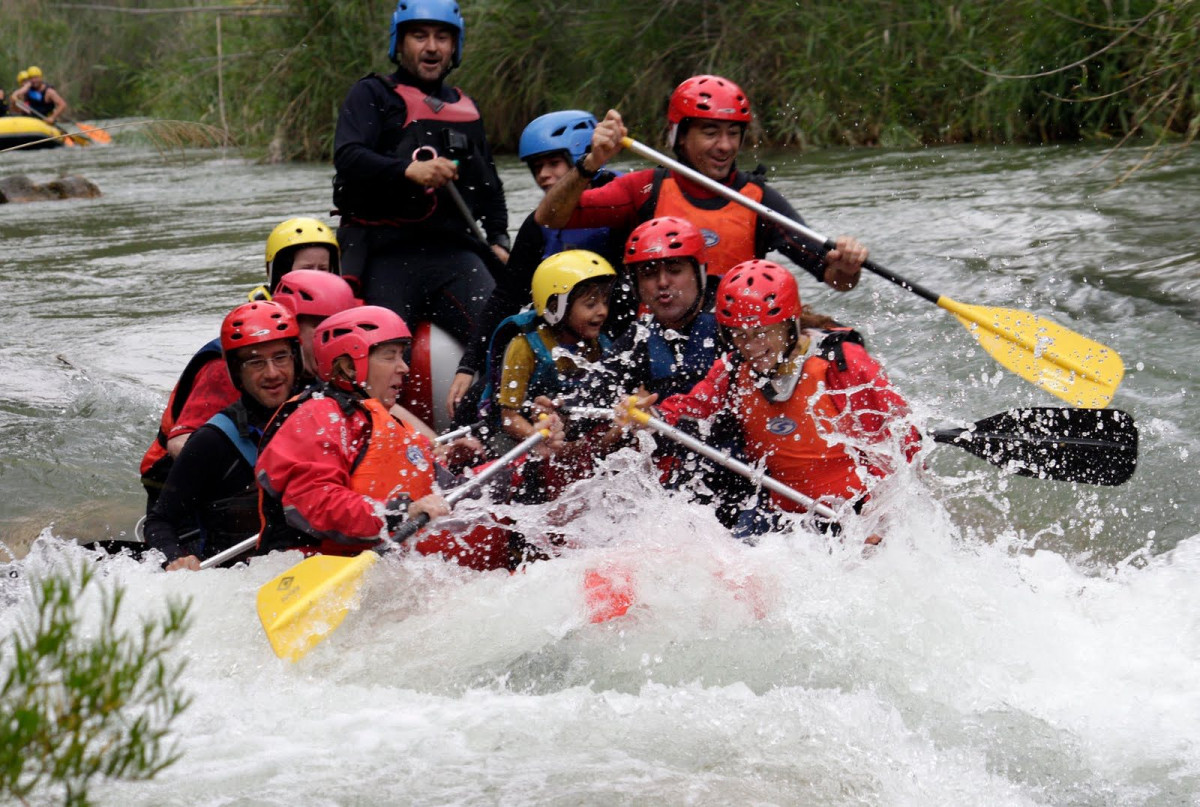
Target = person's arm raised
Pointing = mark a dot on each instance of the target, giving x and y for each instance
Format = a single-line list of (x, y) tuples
[(559, 203)]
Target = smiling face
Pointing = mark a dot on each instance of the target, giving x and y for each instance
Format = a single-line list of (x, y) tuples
[(386, 368), (711, 146), (426, 50), (589, 311), (548, 169), (669, 289), (267, 371), (763, 348)]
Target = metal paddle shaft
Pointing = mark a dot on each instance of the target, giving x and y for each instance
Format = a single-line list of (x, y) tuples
[(304, 604), (1092, 446), (232, 552), (138, 549), (1081, 371), (753, 474), (461, 431), (469, 487), (461, 204)]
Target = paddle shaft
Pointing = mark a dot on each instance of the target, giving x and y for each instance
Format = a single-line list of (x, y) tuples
[(461, 204), (724, 460), (232, 552), (773, 216), (461, 431), (474, 483)]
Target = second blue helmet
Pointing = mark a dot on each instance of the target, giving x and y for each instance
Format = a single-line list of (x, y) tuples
[(443, 11), (569, 130)]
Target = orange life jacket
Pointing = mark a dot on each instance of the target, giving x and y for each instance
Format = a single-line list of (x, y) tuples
[(790, 435), (728, 231)]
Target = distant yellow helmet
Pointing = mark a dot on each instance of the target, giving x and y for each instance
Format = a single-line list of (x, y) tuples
[(293, 234), (556, 276), (33, 72), (22, 77)]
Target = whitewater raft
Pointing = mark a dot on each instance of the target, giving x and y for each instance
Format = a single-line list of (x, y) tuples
[(30, 132)]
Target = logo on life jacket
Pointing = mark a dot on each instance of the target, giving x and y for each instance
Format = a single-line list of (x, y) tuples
[(781, 425), (417, 458), (711, 239)]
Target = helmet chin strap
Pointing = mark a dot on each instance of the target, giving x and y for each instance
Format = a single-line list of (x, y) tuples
[(779, 387)]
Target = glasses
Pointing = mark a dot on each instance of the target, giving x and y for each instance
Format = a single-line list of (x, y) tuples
[(280, 361)]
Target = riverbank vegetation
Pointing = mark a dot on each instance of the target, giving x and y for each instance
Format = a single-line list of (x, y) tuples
[(867, 72)]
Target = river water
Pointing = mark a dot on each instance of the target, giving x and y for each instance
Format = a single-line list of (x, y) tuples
[(1015, 641)]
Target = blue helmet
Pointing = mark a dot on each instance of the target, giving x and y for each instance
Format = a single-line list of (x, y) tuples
[(569, 130), (443, 11)]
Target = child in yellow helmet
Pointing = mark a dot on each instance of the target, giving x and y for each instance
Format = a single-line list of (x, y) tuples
[(557, 359)]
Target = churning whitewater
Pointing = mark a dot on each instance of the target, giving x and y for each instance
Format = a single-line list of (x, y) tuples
[(1012, 642)]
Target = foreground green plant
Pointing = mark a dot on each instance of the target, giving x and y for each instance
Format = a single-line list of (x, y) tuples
[(83, 700)]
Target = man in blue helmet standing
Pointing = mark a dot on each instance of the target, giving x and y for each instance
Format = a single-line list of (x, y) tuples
[(550, 145), (406, 145)]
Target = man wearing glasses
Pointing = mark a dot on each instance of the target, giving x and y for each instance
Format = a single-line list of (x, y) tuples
[(210, 500)]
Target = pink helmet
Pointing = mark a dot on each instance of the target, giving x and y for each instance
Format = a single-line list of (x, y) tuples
[(313, 293), (353, 333), (757, 293)]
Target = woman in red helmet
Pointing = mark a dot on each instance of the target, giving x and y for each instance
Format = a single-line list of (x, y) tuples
[(334, 459), (338, 471), (708, 117), (812, 405), (209, 501)]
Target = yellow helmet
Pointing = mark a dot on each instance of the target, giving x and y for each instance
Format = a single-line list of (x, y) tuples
[(293, 234), (33, 72), (22, 77), (556, 276)]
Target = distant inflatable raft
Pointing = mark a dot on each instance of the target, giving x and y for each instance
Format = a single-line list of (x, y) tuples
[(19, 130)]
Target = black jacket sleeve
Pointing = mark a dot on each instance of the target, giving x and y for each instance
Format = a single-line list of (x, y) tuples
[(770, 237), (199, 476), (360, 126)]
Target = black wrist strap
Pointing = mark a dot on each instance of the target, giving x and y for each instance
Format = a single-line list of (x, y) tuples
[(583, 172)]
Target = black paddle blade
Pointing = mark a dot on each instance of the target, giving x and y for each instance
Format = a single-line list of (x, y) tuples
[(1093, 446)]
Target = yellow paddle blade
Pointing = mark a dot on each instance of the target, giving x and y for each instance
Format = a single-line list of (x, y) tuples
[(1078, 370), (303, 605)]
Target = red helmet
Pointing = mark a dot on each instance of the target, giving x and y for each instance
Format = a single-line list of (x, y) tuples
[(663, 238), (757, 293), (313, 293), (353, 333), (709, 98), (255, 323)]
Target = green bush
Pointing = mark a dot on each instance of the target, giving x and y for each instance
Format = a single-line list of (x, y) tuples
[(81, 700), (866, 72)]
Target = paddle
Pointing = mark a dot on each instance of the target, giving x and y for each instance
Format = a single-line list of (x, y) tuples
[(1060, 361), (302, 606), (1093, 446), (139, 549), (755, 475), (461, 431), (86, 133)]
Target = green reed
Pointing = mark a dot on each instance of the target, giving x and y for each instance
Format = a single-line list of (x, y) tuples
[(868, 72)]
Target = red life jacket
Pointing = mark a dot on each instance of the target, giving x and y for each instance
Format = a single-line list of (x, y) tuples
[(728, 231), (157, 455), (420, 106)]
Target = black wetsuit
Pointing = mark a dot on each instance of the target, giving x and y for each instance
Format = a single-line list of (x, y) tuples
[(411, 249), (210, 500)]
